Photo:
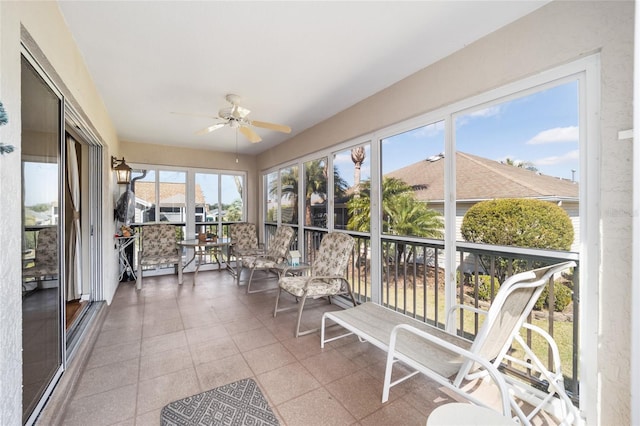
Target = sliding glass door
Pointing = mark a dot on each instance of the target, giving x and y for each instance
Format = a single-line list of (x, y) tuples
[(42, 312)]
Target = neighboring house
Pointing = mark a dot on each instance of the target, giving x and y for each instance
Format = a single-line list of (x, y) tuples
[(479, 179), (172, 202)]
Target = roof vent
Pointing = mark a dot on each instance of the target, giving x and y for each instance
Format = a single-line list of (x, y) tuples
[(435, 157)]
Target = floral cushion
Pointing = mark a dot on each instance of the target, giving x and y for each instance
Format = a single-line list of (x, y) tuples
[(243, 237), (159, 245), (316, 288), (333, 255), (328, 271), (257, 262), (276, 253)]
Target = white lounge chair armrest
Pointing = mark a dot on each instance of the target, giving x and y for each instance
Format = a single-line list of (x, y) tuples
[(486, 364), (555, 352), (455, 308)]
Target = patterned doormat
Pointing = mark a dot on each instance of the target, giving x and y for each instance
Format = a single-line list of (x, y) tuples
[(238, 403)]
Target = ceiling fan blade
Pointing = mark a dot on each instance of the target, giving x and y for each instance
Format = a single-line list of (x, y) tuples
[(272, 126), (210, 128), (250, 134)]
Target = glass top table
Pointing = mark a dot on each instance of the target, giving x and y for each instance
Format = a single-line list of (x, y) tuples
[(201, 248)]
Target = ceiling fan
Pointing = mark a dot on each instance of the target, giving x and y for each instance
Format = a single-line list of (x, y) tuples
[(235, 117)]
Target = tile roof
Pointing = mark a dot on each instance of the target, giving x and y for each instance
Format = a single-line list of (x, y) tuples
[(479, 178), (170, 193)]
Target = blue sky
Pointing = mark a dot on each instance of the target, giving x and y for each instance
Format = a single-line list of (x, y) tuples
[(541, 128)]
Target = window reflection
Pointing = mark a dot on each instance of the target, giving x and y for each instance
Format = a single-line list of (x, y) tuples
[(315, 187), (352, 170), (289, 195)]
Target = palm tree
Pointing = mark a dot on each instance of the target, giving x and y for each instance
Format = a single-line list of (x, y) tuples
[(357, 156), (402, 214), (289, 181), (315, 178)]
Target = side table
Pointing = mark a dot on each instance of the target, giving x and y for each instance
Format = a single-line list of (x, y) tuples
[(122, 243), (286, 269)]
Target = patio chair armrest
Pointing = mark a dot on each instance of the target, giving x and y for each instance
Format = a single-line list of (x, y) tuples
[(454, 308), (492, 371), (555, 351)]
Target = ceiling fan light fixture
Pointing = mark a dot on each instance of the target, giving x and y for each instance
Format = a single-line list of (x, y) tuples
[(235, 117)]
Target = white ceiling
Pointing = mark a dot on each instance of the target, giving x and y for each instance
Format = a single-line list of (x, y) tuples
[(295, 63)]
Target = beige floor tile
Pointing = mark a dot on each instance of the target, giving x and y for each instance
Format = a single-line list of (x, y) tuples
[(223, 371), (173, 341), (107, 377), (131, 333), (195, 320), (154, 365), (268, 358), (367, 398), (228, 313), (253, 339), (305, 346), (163, 343), (329, 366), (155, 393), (363, 353), (104, 355), (287, 382), (423, 394), (212, 350), (395, 413), (151, 418), (121, 318), (158, 328), (243, 324), (315, 408), (206, 333), (105, 408)]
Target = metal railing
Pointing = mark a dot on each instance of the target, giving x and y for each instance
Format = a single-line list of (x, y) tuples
[(413, 282)]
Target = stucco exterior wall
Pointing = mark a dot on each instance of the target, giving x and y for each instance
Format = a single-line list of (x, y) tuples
[(558, 33), (47, 29)]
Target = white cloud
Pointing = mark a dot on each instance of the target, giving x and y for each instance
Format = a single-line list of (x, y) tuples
[(464, 119), (486, 112), (559, 159), (556, 135), (431, 130)]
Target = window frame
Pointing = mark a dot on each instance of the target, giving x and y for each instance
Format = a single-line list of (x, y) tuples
[(586, 71)]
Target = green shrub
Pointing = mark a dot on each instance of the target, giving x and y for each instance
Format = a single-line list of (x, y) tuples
[(562, 293), (484, 287), (517, 222)]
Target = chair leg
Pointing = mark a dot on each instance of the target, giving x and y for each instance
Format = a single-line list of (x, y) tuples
[(275, 310), (297, 332), (139, 277), (180, 274), (238, 270), (250, 278)]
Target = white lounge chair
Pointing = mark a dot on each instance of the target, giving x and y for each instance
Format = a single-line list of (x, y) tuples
[(452, 360)]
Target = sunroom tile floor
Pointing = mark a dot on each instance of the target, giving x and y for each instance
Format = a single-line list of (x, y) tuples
[(167, 342)]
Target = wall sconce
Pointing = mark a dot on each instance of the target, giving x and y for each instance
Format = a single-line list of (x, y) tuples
[(123, 171)]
